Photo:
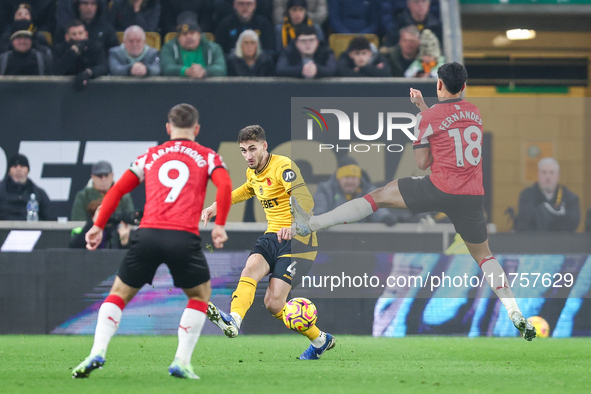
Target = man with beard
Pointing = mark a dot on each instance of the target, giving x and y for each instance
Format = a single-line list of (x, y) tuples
[(24, 59), (79, 56)]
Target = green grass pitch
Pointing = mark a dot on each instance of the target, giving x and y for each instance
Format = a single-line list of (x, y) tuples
[(268, 364)]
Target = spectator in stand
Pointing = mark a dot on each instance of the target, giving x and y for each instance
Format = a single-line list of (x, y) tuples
[(171, 9), (101, 180), (429, 59), (66, 11), (354, 16), (305, 57), (142, 13), (79, 56), (347, 183), (16, 190), (403, 54), (40, 12), (244, 18), (317, 10), (134, 57), (360, 61), (547, 205), (224, 8), (190, 54), (416, 13), (115, 235), (248, 60), (93, 14), (23, 59), (23, 13), (295, 15)]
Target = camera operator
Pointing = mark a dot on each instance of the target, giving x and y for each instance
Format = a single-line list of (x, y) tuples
[(116, 232), (79, 56), (101, 180)]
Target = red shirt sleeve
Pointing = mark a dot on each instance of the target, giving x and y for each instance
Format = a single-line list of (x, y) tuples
[(124, 185), (221, 179)]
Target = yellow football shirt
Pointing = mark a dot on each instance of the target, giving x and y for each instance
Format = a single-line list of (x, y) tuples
[(279, 179)]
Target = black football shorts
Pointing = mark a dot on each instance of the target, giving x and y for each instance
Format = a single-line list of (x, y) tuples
[(285, 259), (179, 250), (466, 212)]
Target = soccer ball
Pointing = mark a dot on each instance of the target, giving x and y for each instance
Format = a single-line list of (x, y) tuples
[(541, 325), (299, 314)]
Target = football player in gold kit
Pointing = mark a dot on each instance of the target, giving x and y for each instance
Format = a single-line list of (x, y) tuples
[(273, 179)]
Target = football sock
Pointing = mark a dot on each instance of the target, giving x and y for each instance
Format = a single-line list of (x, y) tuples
[(320, 340), (243, 297), (279, 316), (107, 323), (237, 318), (189, 330), (349, 212), (312, 333), (491, 267)]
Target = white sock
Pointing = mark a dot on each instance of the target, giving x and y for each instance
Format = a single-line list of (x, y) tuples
[(189, 330), (320, 341), (107, 323), (498, 285), (349, 212), (237, 318)]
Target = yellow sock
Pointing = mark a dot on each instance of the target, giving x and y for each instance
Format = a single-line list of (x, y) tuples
[(279, 316), (243, 297), (311, 333)]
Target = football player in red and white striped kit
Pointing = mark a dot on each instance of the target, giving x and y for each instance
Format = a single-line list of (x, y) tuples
[(449, 140), (175, 174)]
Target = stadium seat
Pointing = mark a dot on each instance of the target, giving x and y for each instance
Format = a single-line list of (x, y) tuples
[(48, 37), (152, 39), (171, 35), (339, 42)]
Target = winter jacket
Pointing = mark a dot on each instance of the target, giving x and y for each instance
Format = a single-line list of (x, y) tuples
[(290, 62), (122, 15), (120, 64), (33, 62), (346, 67), (537, 213), (354, 16), (88, 194), (263, 67), (92, 56), (99, 29), (15, 196), (398, 64), (171, 62), (230, 28)]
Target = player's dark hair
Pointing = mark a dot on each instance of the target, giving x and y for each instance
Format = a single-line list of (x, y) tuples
[(252, 133), (183, 116), (453, 75)]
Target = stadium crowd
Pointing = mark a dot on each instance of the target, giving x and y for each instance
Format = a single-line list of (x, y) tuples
[(201, 38)]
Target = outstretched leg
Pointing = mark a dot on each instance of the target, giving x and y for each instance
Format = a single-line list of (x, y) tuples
[(189, 330), (275, 299), (107, 323), (497, 279), (352, 211), (256, 268)]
